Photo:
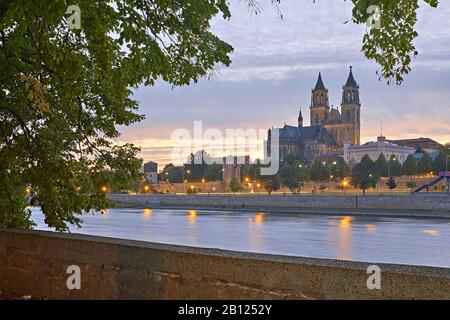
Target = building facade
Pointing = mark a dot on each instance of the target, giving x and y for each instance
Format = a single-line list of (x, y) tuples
[(426, 144), (329, 127), (151, 172), (354, 153)]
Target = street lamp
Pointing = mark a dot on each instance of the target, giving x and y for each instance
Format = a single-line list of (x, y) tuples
[(188, 172), (344, 185), (329, 170), (394, 158)]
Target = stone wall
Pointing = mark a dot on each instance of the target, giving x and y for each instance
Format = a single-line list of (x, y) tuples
[(417, 203), (333, 187), (35, 263)]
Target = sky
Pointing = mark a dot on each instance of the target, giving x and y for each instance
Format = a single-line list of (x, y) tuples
[(275, 65)]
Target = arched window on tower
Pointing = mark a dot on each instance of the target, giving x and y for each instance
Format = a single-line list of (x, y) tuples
[(357, 116), (348, 115), (348, 96), (317, 118)]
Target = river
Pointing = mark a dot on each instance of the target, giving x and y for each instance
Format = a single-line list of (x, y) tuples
[(416, 241)]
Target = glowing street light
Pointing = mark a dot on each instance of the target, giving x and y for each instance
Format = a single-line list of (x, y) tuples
[(104, 189)]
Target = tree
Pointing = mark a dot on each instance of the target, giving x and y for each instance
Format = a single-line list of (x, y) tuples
[(172, 173), (410, 165), (394, 167), (64, 92), (235, 185), (425, 164), (411, 184), (391, 46), (271, 184), (319, 172), (213, 172), (382, 166), (288, 177), (340, 170), (442, 161), (365, 175)]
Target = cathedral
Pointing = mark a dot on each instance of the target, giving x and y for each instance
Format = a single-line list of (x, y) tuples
[(329, 127)]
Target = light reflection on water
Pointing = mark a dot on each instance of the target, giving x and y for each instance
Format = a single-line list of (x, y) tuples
[(372, 239)]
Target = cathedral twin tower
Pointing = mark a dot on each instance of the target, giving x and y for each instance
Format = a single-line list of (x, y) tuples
[(329, 128), (344, 125)]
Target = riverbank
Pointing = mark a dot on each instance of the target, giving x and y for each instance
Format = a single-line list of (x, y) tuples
[(430, 206), (34, 264)]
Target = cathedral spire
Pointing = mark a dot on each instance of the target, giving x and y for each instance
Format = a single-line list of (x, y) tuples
[(319, 84), (300, 119), (351, 80)]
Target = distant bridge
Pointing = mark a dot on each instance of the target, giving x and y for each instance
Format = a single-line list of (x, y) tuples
[(441, 176)]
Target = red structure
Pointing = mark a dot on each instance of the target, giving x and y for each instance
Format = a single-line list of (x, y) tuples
[(422, 143)]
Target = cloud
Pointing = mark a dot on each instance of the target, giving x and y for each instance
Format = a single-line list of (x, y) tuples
[(275, 65)]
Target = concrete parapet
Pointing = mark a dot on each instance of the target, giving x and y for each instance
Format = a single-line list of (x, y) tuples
[(35, 263)]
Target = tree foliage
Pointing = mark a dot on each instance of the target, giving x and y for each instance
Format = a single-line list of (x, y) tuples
[(410, 166), (382, 166), (235, 185), (394, 167), (425, 164), (64, 92), (392, 45), (289, 178), (365, 175)]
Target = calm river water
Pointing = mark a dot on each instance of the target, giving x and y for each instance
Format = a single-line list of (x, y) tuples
[(371, 239)]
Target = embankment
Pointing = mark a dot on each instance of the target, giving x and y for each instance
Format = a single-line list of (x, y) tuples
[(35, 263), (432, 205)]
